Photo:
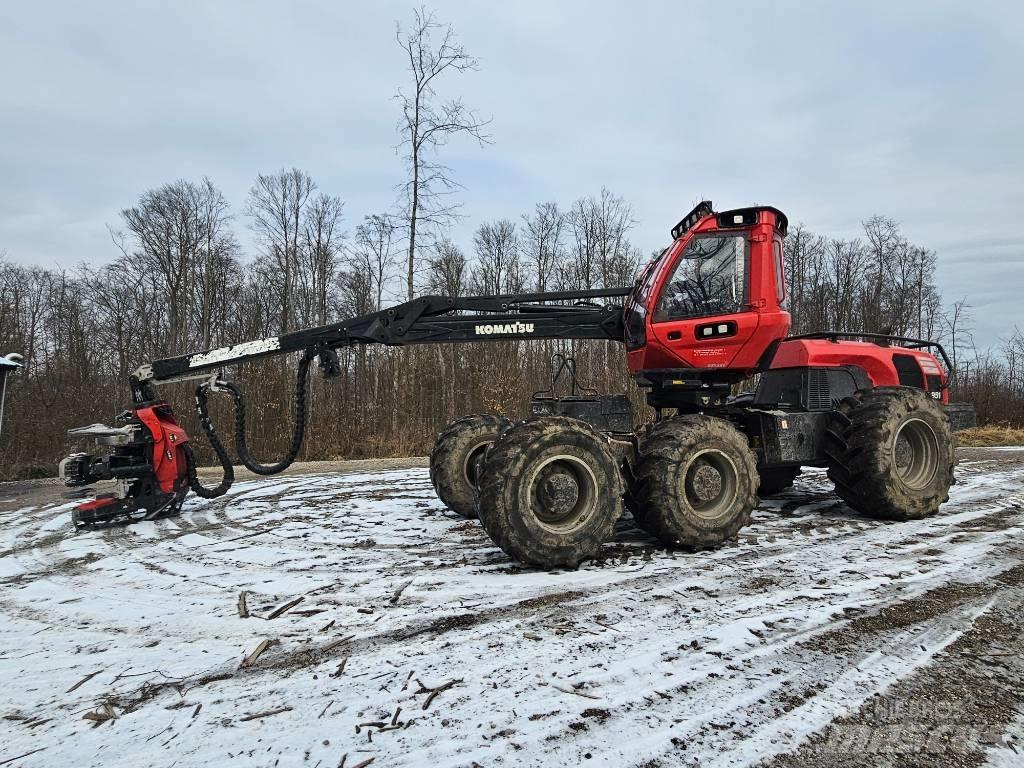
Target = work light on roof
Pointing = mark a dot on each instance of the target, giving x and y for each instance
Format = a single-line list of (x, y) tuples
[(704, 208)]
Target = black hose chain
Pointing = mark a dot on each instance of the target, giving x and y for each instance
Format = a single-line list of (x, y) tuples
[(300, 423), (202, 393)]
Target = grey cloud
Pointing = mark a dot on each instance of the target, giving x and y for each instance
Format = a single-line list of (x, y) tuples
[(833, 112)]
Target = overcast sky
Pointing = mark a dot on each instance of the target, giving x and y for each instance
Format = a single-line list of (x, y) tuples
[(831, 111)]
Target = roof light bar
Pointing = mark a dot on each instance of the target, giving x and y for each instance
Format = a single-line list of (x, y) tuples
[(704, 208)]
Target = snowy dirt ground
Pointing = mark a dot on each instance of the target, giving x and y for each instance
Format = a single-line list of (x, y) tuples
[(383, 630)]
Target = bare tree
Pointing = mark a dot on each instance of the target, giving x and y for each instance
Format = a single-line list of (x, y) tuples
[(804, 257), (600, 251), (355, 293), (374, 254), (542, 243), (448, 269), (217, 262), (275, 207), (497, 252), (428, 124), (958, 322), (885, 245), (179, 234), (322, 243)]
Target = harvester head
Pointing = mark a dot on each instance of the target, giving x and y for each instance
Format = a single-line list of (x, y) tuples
[(142, 464)]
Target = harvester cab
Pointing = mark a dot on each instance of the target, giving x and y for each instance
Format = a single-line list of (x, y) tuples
[(713, 300), (705, 316)]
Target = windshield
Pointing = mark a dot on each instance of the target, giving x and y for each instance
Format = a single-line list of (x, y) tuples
[(708, 279)]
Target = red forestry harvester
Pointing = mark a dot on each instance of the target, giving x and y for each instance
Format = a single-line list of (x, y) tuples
[(704, 316)]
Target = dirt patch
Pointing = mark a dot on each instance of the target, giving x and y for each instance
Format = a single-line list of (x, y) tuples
[(949, 713), (903, 614)]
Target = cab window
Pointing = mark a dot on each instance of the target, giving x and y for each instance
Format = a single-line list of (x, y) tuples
[(710, 278), (780, 272)]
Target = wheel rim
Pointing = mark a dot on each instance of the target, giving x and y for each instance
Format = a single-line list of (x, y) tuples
[(471, 466), (915, 453), (709, 483), (563, 493)]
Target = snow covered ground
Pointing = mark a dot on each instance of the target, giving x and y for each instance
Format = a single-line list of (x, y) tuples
[(416, 642)]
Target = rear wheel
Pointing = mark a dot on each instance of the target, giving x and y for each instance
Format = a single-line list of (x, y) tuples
[(773, 481), (694, 482), (456, 458), (891, 453), (550, 491)]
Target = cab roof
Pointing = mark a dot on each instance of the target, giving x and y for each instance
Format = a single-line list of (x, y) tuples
[(737, 217)]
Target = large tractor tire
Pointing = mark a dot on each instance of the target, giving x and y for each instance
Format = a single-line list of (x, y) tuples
[(694, 483), (773, 481), (456, 458), (550, 491), (891, 453)]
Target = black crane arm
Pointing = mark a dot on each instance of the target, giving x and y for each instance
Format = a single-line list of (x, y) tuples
[(426, 320)]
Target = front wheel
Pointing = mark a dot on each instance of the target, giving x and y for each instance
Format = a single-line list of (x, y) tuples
[(891, 453), (695, 482), (550, 491)]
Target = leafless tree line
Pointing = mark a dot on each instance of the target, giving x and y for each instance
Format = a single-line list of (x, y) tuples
[(179, 282), (881, 283)]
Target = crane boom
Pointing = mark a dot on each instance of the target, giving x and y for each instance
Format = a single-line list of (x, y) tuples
[(426, 320)]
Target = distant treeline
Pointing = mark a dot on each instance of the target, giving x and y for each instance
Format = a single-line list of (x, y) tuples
[(178, 282)]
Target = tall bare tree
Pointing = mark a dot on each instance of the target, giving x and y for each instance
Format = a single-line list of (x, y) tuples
[(374, 254), (275, 208), (427, 123), (542, 243), (322, 243)]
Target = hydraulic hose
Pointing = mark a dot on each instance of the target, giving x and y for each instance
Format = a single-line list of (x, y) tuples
[(297, 434), (202, 393), (202, 408)]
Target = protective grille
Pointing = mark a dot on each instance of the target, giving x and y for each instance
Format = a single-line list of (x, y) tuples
[(819, 397)]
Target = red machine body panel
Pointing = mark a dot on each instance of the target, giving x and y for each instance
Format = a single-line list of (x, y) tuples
[(169, 463), (876, 360)]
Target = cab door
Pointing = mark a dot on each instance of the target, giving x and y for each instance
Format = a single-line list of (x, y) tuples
[(702, 316)]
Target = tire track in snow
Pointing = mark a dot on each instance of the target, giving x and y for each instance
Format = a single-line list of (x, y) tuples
[(622, 627)]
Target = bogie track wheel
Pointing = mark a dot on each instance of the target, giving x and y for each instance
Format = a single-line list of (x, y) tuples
[(550, 491), (891, 453), (695, 482), (456, 458)]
